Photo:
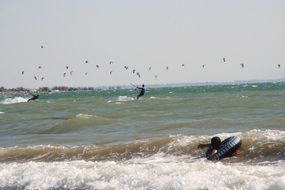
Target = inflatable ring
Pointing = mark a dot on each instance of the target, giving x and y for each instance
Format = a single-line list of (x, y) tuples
[(228, 147)]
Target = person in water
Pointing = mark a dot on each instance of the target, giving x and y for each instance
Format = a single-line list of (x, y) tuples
[(142, 91), (215, 145), (35, 96)]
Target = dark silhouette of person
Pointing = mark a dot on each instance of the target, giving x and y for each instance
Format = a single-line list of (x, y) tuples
[(34, 97), (142, 91), (215, 145)]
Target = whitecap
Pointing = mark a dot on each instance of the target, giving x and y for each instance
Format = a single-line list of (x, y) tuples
[(14, 100), (270, 134), (125, 99), (226, 135), (2, 112), (169, 172), (84, 116)]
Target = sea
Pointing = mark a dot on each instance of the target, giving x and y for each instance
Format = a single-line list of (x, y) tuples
[(107, 139)]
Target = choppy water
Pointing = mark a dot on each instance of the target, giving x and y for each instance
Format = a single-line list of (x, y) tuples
[(106, 139)]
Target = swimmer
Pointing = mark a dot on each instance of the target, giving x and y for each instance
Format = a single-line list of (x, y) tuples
[(215, 145)]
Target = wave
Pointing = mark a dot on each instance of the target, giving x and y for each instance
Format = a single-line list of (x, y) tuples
[(14, 100), (84, 116), (257, 146), (2, 112), (79, 122), (153, 97), (156, 172), (125, 99)]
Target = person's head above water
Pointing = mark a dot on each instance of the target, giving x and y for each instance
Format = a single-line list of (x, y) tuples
[(143, 85), (216, 142)]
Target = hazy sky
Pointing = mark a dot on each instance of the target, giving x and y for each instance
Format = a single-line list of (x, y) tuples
[(140, 34)]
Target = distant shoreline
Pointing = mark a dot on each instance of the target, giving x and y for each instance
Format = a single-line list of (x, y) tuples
[(70, 89), (46, 89)]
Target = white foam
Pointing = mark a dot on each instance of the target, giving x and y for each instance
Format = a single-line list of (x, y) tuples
[(181, 140), (14, 100), (226, 135), (125, 99), (255, 134), (84, 116), (267, 134), (2, 112), (157, 172)]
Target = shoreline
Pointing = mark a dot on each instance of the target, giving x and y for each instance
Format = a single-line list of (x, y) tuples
[(70, 89)]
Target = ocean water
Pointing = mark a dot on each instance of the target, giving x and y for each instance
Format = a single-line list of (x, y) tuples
[(106, 139)]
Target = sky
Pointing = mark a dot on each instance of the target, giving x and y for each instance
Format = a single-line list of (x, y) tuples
[(182, 35)]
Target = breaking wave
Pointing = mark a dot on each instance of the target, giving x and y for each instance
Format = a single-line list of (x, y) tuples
[(14, 100), (257, 146), (125, 99)]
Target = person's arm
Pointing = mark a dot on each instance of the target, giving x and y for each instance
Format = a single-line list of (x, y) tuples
[(203, 145)]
